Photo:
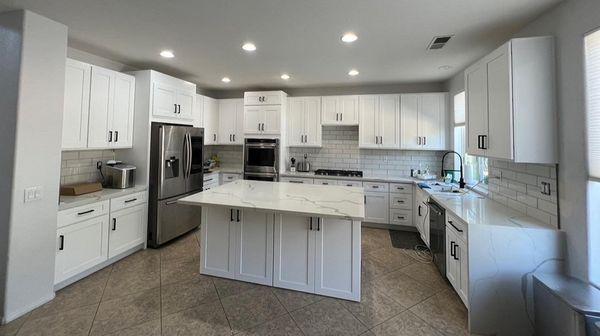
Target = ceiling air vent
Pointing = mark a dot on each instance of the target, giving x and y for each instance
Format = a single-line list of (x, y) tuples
[(439, 42)]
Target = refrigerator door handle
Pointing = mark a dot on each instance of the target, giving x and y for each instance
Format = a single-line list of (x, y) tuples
[(189, 160), (184, 156)]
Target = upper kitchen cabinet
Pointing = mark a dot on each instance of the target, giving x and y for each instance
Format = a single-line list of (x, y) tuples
[(304, 122), (210, 120), (510, 104), (231, 116), (173, 99), (77, 104), (423, 121), (339, 110), (379, 120), (198, 115), (263, 112)]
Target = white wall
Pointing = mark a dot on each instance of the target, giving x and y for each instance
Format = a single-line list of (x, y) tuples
[(36, 115), (568, 23)]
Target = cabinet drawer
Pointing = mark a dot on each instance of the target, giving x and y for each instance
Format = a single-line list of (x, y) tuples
[(401, 188), (127, 201), (457, 226), (228, 177), (375, 186), (84, 212), (326, 182), (207, 178), (301, 180), (401, 201), (401, 217), (350, 183)]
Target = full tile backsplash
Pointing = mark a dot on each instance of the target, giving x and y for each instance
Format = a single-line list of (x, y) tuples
[(230, 156), (80, 166), (518, 186)]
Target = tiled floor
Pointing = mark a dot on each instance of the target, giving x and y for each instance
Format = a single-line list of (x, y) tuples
[(160, 292)]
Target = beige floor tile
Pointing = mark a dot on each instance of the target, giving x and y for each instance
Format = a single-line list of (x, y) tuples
[(204, 320), (128, 311), (150, 328), (227, 287), (252, 308), (179, 270), (327, 317), (183, 295), (84, 292), (372, 268), (281, 326), (405, 324), (403, 289), (72, 323), (445, 312), (294, 300), (183, 248), (374, 307), (129, 279), (427, 274), (141, 260), (12, 327), (393, 258)]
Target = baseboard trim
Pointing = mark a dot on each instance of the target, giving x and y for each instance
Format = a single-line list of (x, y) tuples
[(11, 317)]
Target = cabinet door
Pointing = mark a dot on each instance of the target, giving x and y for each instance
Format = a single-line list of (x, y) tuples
[(369, 122), (252, 119), (198, 118), (164, 101), (348, 110), (377, 207), (238, 137), (80, 246), (389, 121), (294, 253), (126, 229), (296, 117), (452, 271), (271, 119), (432, 120), (185, 100), (218, 254), (254, 246), (101, 107), (312, 122), (77, 105), (330, 110), (476, 108), (211, 121), (337, 262), (121, 122), (409, 121), (227, 120), (463, 271), (499, 143)]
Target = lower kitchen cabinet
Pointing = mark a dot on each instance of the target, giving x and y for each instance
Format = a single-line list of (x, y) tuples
[(127, 229), (294, 253), (377, 205), (218, 252), (421, 211), (80, 246), (457, 265), (254, 246)]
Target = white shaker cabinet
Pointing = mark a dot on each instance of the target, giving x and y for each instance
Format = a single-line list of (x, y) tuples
[(198, 116), (218, 253), (294, 253), (339, 110), (231, 119), (379, 120), (127, 229), (377, 207), (457, 265), (423, 121), (304, 122), (210, 120), (173, 101), (76, 105), (510, 102), (254, 246), (262, 119), (421, 213)]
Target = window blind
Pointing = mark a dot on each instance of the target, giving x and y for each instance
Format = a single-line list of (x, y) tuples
[(592, 75)]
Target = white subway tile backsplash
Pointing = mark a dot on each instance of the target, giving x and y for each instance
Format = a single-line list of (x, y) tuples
[(80, 166)]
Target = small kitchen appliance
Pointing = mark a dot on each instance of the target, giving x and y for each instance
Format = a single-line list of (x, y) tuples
[(304, 165), (119, 175)]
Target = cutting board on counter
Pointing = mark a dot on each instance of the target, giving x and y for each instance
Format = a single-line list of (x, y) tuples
[(80, 189)]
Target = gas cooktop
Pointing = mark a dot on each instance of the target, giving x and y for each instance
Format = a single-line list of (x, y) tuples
[(334, 172)]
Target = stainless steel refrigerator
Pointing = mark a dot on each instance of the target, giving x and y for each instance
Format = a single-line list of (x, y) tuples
[(176, 170)]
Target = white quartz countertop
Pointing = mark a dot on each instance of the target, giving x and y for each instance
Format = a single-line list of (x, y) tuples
[(302, 199), (367, 177), (68, 202)]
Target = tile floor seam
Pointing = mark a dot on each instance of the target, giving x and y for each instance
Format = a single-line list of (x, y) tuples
[(22, 324), (222, 307), (112, 268), (287, 310), (429, 324)]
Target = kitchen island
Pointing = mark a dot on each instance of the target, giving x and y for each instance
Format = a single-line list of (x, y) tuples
[(294, 236)]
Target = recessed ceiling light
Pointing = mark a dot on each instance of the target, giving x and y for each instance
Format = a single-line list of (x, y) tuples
[(285, 76), (353, 72), (349, 37), (225, 80), (249, 46), (445, 67), (167, 54)]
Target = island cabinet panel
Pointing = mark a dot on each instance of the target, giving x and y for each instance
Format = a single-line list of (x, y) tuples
[(218, 252), (337, 262), (294, 253), (254, 246)]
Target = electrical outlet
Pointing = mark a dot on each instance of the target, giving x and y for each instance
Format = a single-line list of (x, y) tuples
[(33, 194), (545, 186)]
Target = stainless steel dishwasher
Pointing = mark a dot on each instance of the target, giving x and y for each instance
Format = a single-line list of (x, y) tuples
[(437, 235)]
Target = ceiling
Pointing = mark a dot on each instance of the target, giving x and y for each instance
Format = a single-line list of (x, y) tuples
[(299, 37)]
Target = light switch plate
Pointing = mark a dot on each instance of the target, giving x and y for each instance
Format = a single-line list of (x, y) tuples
[(33, 194)]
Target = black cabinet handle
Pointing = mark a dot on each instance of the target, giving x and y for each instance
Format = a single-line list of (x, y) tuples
[(231, 215), (238, 215), (114, 228), (61, 246), (337, 117), (483, 145), (214, 137), (130, 200), (85, 212), (454, 252), (452, 249), (116, 136), (400, 201), (319, 224), (454, 226), (234, 138), (175, 110), (365, 200), (310, 226), (419, 211), (401, 217), (341, 116), (109, 136)]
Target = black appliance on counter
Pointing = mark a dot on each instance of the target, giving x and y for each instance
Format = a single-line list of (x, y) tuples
[(337, 172), (437, 235), (261, 159)]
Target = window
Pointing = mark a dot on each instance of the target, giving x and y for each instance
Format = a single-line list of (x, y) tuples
[(475, 168)]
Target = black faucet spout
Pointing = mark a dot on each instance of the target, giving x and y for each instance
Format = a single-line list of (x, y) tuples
[(461, 181)]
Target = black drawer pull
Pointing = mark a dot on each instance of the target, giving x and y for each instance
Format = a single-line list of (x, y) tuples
[(85, 212), (400, 201), (401, 217), (131, 200), (114, 228), (61, 246), (375, 187), (348, 185), (457, 229)]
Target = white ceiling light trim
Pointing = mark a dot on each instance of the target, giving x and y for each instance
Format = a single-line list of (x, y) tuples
[(225, 79), (353, 72), (349, 37), (249, 46), (285, 76), (167, 54)]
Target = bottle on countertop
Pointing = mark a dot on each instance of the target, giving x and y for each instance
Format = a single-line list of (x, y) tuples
[(293, 165)]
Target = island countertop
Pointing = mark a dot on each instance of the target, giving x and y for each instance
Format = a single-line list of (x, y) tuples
[(301, 199)]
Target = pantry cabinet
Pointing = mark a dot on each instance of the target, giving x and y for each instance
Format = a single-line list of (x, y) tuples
[(210, 120), (379, 121), (423, 121), (304, 122), (339, 110), (231, 119), (510, 102), (76, 105)]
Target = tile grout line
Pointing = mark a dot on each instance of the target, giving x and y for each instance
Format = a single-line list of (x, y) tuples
[(112, 268), (287, 310)]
